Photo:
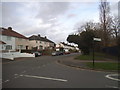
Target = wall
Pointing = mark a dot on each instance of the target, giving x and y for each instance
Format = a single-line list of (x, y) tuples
[(21, 41), (32, 43), (2, 47), (8, 40), (12, 55)]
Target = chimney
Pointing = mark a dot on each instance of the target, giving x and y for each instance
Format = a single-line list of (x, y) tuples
[(9, 28), (39, 35), (45, 37)]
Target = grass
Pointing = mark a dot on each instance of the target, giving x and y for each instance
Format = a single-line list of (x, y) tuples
[(88, 57), (97, 56), (104, 65), (104, 55)]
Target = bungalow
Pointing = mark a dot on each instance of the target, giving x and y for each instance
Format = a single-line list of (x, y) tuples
[(13, 40), (41, 43)]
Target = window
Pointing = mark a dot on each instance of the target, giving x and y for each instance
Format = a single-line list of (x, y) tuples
[(8, 47), (20, 46), (40, 47), (8, 38), (36, 41)]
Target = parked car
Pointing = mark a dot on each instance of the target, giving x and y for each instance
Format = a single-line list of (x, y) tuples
[(57, 53), (67, 53), (36, 53)]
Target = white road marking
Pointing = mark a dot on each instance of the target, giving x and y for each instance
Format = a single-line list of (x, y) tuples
[(21, 75), (15, 74), (45, 78), (109, 77), (16, 77), (6, 80)]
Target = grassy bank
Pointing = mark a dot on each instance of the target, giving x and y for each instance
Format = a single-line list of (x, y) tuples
[(97, 56), (104, 65)]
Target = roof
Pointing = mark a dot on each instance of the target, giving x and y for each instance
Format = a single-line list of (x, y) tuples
[(1, 42), (10, 32), (34, 37), (67, 44)]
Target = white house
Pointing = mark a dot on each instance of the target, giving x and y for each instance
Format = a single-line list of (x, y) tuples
[(8, 40), (13, 40), (65, 47), (40, 43)]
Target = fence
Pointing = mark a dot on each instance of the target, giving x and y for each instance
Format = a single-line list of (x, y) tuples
[(111, 50)]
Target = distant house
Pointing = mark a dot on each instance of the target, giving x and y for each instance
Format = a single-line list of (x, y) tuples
[(65, 47), (40, 43), (13, 40)]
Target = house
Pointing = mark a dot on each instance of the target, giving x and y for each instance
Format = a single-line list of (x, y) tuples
[(40, 43), (2, 45), (13, 40), (66, 47)]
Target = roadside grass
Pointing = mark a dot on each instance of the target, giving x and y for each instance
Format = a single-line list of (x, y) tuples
[(88, 57), (104, 65), (104, 55), (97, 56)]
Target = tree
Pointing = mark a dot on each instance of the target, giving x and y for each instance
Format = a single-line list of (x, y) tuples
[(86, 26), (105, 20), (115, 27), (73, 39), (84, 40)]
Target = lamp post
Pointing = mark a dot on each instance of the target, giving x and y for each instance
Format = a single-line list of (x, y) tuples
[(95, 39)]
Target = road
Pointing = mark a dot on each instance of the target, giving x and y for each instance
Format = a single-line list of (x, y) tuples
[(46, 72)]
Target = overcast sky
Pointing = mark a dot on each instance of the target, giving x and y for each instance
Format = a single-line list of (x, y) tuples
[(56, 20)]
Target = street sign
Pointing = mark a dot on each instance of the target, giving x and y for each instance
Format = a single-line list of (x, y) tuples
[(97, 39)]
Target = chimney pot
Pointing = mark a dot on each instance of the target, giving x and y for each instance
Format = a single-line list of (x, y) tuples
[(39, 35), (10, 28)]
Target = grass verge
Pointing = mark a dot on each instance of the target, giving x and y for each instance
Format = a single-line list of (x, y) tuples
[(97, 56), (104, 65)]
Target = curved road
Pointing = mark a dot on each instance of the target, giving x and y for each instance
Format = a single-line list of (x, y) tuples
[(45, 72)]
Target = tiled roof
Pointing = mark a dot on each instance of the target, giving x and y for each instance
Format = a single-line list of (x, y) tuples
[(10, 32), (34, 37)]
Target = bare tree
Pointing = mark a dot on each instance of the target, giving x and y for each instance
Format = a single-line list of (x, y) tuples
[(115, 27), (86, 26), (105, 20)]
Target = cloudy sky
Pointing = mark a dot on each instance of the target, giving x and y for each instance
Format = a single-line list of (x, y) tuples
[(56, 20)]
